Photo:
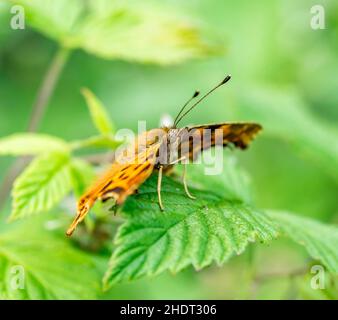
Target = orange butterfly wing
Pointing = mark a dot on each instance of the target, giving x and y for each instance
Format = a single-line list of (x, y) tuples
[(194, 140), (126, 174)]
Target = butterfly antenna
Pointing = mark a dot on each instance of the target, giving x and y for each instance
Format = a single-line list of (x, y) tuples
[(196, 93), (225, 80)]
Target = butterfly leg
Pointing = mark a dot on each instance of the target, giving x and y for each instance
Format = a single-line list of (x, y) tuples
[(159, 181), (184, 177), (185, 181)]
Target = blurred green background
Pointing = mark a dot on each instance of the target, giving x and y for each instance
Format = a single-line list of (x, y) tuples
[(284, 77)]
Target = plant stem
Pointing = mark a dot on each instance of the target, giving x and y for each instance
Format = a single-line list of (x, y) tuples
[(39, 107), (47, 87)]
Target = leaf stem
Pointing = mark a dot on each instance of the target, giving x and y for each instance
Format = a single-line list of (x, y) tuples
[(104, 141), (97, 159)]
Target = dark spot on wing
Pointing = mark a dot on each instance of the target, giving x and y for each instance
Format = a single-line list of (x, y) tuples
[(106, 185), (146, 168)]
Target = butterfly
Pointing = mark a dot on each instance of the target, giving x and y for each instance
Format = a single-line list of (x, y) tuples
[(159, 150)]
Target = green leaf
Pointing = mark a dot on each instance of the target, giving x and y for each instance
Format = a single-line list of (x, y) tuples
[(129, 30), (142, 32), (98, 113), (31, 144), (283, 114), (52, 267), (188, 232), (83, 175), (42, 185), (320, 240)]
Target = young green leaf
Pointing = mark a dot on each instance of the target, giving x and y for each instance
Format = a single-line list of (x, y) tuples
[(98, 113), (189, 232), (36, 263), (31, 144), (42, 185), (320, 240)]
